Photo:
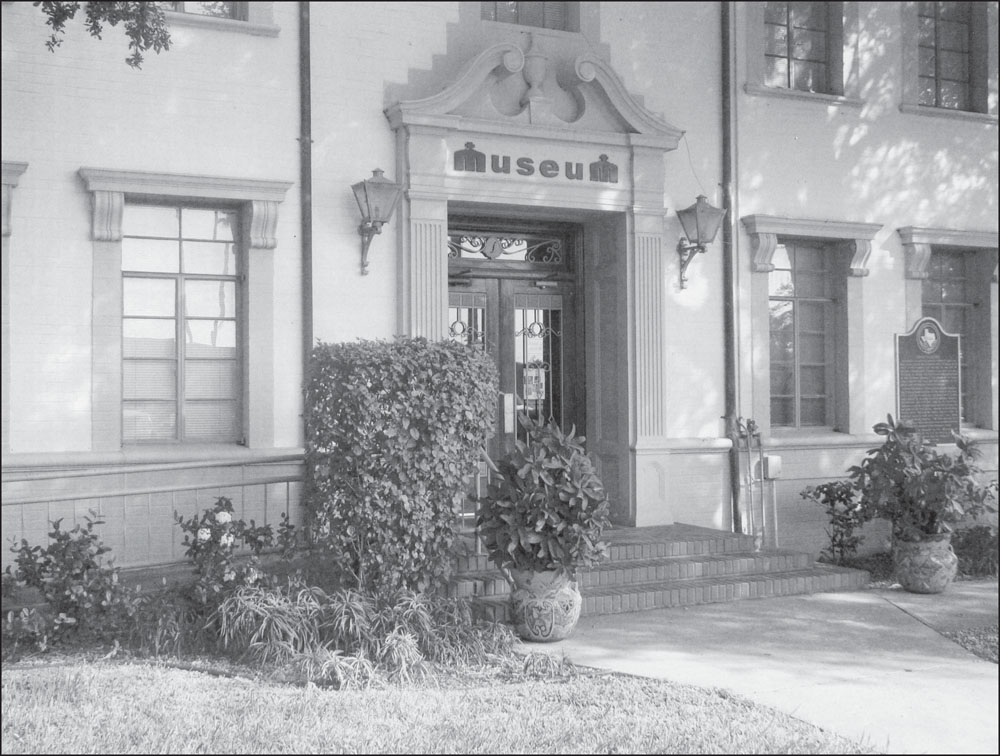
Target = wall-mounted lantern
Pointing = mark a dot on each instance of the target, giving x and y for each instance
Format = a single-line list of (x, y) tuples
[(701, 223), (377, 199)]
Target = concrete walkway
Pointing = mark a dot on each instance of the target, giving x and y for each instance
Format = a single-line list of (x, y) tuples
[(870, 665)]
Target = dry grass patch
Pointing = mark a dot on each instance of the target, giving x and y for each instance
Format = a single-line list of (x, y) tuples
[(108, 707)]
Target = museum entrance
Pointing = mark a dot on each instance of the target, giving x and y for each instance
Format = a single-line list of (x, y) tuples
[(513, 291)]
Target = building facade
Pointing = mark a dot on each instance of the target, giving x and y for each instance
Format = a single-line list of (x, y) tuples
[(176, 238)]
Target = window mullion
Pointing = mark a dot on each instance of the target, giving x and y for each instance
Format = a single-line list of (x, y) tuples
[(938, 73), (181, 354), (796, 366)]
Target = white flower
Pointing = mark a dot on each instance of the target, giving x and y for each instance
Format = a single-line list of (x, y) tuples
[(226, 540), (229, 576), (223, 517), (252, 575), (204, 534)]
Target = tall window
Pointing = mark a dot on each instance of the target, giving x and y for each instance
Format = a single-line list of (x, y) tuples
[(801, 336), (945, 44), (543, 15), (218, 10), (799, 47), (946, 297), (181, 376)]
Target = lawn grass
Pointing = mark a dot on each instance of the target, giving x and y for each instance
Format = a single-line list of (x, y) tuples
[(80, 706)]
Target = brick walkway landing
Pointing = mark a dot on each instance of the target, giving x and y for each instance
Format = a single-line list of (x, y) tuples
[(672, 565)]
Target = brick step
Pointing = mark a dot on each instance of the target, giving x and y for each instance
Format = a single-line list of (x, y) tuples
[(629, 544), (610, 599), (627, 572)]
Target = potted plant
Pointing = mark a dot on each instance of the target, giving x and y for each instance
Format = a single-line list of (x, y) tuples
[(923, 493), (540, 521)]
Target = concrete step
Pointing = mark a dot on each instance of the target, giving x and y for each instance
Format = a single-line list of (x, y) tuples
[(634, 597)]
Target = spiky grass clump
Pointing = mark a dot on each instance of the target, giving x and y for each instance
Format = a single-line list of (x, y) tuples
[(348, 639)]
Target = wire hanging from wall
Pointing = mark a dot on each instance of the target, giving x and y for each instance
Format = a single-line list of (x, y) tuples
[(687, 147)]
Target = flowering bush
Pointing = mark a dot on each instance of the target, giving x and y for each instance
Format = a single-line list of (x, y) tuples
[(212, 541)]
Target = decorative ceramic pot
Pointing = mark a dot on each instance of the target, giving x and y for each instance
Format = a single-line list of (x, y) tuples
[(545, 605), (925, 566)]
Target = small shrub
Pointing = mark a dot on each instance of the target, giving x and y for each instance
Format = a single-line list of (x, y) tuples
[(977, 551), (547, 508), (394, 430), (920, 490), (170, 622), (28, 629), (82, 592), (842, 503)]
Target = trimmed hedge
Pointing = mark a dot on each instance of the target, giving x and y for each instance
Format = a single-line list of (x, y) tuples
[(394, 430)]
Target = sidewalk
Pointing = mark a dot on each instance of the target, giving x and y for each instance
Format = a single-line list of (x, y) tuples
[(869, 665)]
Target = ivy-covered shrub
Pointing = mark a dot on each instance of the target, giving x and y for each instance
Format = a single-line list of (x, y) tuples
[(842, 503), (394, 431)]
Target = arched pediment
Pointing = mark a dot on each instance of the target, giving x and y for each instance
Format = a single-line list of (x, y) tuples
[(530, 89)]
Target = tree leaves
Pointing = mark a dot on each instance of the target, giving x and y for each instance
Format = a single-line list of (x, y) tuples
[(144, 24)]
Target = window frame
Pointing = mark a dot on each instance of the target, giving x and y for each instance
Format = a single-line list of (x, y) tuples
[(258, 201), (842, 55), (11, 176), (828, 302), (981, 252), (180, 317), (239, 10), (849, 248), (937, 49), (572, 17), (255, 18), (982, 106), (832, 34)]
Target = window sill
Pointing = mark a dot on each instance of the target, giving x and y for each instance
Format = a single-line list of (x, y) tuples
[(816, 438), (756, 90), (539, 30), (957, 115), (221, 24), (980, 435), (148, 455)]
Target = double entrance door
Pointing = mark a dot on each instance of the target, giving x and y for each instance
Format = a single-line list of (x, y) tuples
[(513, 292)]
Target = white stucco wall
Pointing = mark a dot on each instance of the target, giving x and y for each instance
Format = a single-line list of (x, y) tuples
[(217, 103)]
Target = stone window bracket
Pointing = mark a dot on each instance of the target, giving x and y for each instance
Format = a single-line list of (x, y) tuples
[(11, 174), (110, 188), (919, 242), (854, 238)]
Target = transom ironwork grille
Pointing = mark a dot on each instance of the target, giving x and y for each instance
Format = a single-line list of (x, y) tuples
[(548, 251)]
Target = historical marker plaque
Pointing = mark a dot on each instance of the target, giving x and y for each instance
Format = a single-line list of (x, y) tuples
[(928, 380)]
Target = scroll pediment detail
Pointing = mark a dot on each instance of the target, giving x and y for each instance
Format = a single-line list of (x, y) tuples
[(509, 85)]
